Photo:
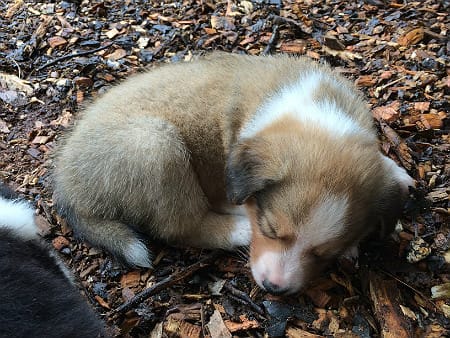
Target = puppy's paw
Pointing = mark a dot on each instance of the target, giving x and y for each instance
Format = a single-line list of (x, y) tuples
[(137, 254), (242, 232)]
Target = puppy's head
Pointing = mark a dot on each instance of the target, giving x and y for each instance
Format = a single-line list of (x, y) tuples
[(310, 202)]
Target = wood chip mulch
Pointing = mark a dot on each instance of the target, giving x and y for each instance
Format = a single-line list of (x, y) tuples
[(56, 56)]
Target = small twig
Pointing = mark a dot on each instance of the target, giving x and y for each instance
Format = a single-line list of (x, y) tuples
[(202, 318), (165, 283), (17, 65), (241, 295), (409, 286), (272, 41), (281, 19), (73, 55), (392, 83), (244, 297)]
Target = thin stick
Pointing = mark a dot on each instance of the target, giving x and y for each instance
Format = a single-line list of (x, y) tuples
[(73, 55), (165, 283), (241, 295), (202, 318), (410, 287), (17, 65), (244, 297), (280, 19), (273, 39)]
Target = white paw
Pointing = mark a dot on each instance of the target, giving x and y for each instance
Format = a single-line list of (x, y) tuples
[(137, 254), (242, 232)]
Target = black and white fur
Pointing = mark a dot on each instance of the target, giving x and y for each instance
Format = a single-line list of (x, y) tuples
[(37, 299)]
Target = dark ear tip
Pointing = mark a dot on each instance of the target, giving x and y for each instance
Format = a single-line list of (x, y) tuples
[(234, 199), (239, 201)]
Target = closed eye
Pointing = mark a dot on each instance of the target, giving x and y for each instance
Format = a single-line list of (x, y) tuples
[(266, 228)]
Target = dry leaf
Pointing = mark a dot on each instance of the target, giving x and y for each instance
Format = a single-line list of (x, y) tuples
[(385, 295), (40, 140), (117, 54), (411, 37), (13, 8), (112, 33), (14, 83), (44, 227), (60, 242), (245, 324), (131, 279), (222, 22), (216, 326), (366, 81), (4, 127), (422, 106), (295, 47), (408, 312), (157, 331), (210, 31), (332, 42), (418, 250), (444, 308), (56, 41), (399, 146), (386, 75), (387, 113), (431, 121), (441, 291), (343, 54), (127, 294), (102, 302), (176, 326), (438, 195), (295, 332), (83, 81)]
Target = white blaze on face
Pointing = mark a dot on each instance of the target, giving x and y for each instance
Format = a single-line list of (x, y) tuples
[(291, 267)]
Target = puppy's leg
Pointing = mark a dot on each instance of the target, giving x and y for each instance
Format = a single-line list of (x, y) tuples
[(221, 231)]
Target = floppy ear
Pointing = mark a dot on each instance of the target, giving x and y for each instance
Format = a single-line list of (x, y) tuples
[(250, 168), (394, 195)]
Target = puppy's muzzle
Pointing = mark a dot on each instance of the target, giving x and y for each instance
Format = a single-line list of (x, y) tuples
[(274, 288)]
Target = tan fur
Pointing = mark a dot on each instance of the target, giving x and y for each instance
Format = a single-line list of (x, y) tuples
[(159, 154)]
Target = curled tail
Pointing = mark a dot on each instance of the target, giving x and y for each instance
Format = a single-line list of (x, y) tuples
[(112, 235)]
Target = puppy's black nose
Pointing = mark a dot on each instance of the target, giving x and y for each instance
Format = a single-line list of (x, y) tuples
[(273, 288)]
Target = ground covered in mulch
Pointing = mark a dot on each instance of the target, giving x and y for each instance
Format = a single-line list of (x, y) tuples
[(56, 56)]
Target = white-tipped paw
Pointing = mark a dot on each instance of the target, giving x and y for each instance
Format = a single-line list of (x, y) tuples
[(242, 232)]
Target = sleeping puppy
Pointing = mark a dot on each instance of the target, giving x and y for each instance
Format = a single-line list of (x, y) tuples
[(36, 297), (276, 152)]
